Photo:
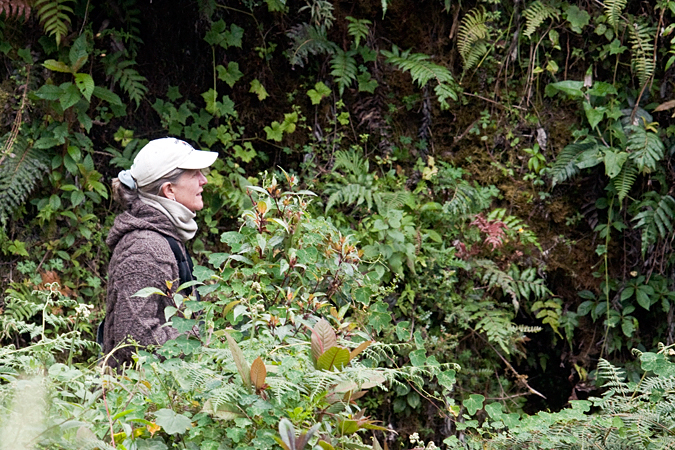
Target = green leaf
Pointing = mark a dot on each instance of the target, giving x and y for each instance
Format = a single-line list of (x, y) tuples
[(230, 75), (49, 92), (577, 18), (171, 422), (318, 93), (614, 162), (594, 114), (85, 83), (568, 87), (334, 357), (71, 95), (76, 197), (107, 95), (57, 66), (258, 89), (242, 365), (380, 316), (473, 403)]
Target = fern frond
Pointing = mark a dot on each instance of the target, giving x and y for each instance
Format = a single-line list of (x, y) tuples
[(358, 29), (565, 165), (472, 37), (645, 148), (20, 172), (642, 50), (613, 11), (54, 15), (624, 181), (615, 377), (423, 71), (655, 219), (308, 40), (536, 14), (344, 70), (129, 79), (465, 200), (18, 8)]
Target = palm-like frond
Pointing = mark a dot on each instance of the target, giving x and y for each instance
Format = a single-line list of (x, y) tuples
[(536, 14), (22, 169), (472, 37)]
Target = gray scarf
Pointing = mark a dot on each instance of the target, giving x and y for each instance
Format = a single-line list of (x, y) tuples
[(181, 217)]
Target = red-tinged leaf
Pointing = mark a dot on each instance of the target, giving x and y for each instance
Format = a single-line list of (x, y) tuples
[(334, 357), (287, 433), (302, 440), (239, 359), (323, 338), (359, 349), (258, 373), (281, 443)]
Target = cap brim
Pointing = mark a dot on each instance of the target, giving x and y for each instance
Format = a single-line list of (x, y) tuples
[(198, 159)]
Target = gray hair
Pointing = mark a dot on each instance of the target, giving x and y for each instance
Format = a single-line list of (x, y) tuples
[(125, 196)]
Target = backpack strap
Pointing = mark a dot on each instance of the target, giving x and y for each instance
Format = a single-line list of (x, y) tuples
[(185, 265)]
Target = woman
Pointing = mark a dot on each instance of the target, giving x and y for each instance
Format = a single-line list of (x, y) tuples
[(160, 193)]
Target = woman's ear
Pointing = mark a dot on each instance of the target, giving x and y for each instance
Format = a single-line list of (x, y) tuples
[(168, 191)]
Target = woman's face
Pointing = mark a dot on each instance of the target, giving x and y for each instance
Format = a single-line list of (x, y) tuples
[(188, 189)]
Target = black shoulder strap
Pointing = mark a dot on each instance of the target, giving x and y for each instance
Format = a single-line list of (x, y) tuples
[(185, 266)]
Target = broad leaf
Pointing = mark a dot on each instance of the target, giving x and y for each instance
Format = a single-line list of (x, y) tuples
[(258, 373), (171, 422), (323, 338), (335, 357), (239, 359)]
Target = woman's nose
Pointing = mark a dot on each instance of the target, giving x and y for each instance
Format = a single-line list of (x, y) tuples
[(202, 179)]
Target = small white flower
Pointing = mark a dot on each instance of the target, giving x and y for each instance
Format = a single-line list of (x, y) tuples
[(83, 310)]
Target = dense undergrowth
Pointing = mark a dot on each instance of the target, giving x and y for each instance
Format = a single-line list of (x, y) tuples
[(466, 205)]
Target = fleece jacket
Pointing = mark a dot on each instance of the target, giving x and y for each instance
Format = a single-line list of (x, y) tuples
[(141, 258)]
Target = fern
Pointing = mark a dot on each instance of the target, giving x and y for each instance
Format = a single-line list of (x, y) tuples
[(424, 71), (344, 70), (655, 219), (356, 187), (22, 169), (613, 10), (123, 73), (624, 181), (565, 166), (536, 14), (358, 29), (466, 200), (642, 51), (19, 8), (472, 38), (54, 16), (308, 40), (645, 147)]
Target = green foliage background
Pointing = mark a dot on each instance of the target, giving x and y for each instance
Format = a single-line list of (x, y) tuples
[(497, 173)]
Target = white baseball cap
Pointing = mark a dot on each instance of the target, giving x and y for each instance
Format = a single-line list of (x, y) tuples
[(161, 156)]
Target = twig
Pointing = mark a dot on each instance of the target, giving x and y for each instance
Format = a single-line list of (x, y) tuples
[(519, 377)]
